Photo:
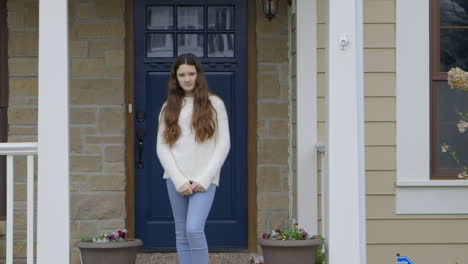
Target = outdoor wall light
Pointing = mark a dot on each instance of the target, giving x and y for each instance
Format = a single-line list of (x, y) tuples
[(270, 8)]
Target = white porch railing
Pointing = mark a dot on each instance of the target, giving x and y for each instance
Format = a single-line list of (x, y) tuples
[(19, 149)]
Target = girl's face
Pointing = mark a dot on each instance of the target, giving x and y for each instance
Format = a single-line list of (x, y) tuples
[(187, 78)]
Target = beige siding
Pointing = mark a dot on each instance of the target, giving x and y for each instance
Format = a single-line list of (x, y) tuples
[(427, 239)]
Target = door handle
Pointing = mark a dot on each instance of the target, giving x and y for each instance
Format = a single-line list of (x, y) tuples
[(141, 138)]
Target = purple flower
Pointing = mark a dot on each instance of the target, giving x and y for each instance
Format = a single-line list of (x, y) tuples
[(304, 236), (266, 236), (122, 234)]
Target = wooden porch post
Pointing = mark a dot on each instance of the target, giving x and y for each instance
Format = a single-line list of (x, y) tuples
[(53, 223), (345, 204)]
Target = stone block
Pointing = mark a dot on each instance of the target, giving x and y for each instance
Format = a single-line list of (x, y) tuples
[(272, 49), (31, 18), (15, 20), (111, 121), (98, 47), (114, 167), (104, 140), (97, 91), (79, 115), (112, 225), (23, 67), (92, 149), (80, 229), (273, 201), (79, 182), (78, 48), (15, 6), (85, 163), (22, 116), (107, 182), (23, 44), (278, 128), (273, 151), (110, 9), (268, 179), (277, 26), (86, 10), (113, 30), (268, 85), (278, 220), (23, 87), (272, 110), (97, 206), (261, 128), (87, 67), (115, 58), (114, 153)]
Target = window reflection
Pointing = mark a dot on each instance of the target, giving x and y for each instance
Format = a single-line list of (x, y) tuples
[(221, 45), (190, 17), (220, 18), (192, 43), (160, 17), (160, 45)]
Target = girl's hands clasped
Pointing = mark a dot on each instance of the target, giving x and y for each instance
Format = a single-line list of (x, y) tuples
[(189, 188), (196, 187)]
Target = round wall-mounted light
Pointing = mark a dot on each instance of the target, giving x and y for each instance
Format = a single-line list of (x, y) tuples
[(270, 8)]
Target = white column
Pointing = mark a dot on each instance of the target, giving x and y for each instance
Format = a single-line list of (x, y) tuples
[(306, 16), (345, 134), (53, 224)]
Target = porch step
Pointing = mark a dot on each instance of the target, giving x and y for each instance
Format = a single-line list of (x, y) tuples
[(215, 258)]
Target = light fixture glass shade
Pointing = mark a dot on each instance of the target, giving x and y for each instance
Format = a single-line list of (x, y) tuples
[(270, 7)]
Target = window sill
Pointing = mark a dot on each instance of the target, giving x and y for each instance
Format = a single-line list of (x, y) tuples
[(432, 197), (434, 183)]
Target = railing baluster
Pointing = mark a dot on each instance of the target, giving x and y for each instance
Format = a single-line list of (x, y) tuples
[(30, 234), (9, 216)]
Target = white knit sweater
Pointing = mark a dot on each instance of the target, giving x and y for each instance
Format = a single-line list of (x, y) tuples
[(189, 160)]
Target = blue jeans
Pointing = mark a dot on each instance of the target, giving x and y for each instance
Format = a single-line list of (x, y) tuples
[(190, 213)]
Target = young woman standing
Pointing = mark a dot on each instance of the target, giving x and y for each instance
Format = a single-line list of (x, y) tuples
[(192, 145)]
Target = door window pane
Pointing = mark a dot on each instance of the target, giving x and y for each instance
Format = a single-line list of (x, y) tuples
[(221, 45), (220, 18), (160, 45), (160, 17), (453, 51), (190, 17), (190, 43), (453, 13)]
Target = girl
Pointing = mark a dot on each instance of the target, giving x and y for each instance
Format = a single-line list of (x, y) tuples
[(193, 143)]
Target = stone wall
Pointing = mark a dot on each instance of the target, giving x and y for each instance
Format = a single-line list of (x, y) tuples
[(97, 121), (273, 119)]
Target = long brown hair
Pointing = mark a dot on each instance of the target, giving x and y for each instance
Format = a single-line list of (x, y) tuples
[(203, 116)]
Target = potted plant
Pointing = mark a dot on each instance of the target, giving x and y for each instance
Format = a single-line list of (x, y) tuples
[(114, 248), (291, 245)]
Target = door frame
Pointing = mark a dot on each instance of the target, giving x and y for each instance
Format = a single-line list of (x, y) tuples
[(251, 122)]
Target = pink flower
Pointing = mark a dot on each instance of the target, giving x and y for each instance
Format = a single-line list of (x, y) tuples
[(266, 236), (122, 234)]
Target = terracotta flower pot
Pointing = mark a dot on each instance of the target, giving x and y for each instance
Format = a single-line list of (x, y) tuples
[(115, 253), (289, 251)]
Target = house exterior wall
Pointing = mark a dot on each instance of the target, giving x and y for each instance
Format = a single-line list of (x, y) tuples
[(97, 120), (424, 238)]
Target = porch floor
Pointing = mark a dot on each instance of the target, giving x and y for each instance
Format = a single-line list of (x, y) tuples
[(215, 258)]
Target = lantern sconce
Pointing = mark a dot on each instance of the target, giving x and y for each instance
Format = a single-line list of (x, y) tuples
[(270, 8)]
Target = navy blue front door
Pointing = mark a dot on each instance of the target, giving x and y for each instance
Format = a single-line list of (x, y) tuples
[(215, 31)]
